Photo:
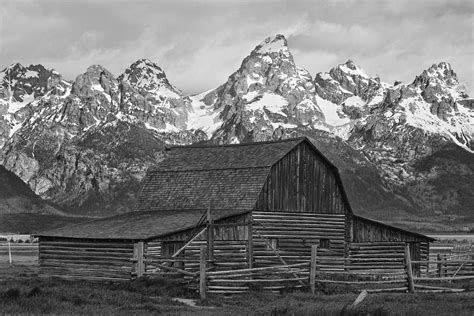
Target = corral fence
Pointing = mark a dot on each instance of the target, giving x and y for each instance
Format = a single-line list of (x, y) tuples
[(394, 271), (385, 271), (13, 253)]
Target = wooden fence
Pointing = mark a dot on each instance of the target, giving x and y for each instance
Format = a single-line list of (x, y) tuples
[(15, 253)]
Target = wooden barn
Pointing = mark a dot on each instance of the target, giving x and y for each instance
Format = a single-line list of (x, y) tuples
[(252, 205)]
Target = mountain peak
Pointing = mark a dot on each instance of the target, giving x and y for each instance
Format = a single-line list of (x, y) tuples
[(349, 67), (273, 44), (146, 75), (442, 70)]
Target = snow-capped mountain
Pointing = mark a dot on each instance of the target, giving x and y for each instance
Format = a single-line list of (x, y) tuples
[(86, 144), (20, 88), (266, 94)]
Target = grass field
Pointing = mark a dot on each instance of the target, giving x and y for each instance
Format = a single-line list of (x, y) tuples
[(21, 292)]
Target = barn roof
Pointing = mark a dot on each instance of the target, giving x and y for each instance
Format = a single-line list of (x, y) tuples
[(138, 225), (226, 176), (224, 189), (236, 156)]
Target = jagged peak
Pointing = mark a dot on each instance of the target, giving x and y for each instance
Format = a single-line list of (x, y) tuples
[(13, 66), (351, 68), (440, 70), (97, 69), (272, 44), (145, 67)]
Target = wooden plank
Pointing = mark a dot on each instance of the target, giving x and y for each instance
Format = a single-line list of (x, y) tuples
[(202, 272), (250, 245), (257, 280), (411, 286), (281, 267), (312, 273), (396, 289), (127, 245)]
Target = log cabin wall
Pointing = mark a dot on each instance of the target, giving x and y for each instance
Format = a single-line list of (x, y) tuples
[(302, 182), (85, 259), (293, 234), (364, 230), (231, 244)]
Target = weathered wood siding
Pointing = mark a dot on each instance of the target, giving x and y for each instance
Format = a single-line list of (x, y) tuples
[(364, 230), (376, 257), (231, 246), (301, 182), (293, 234), (85, 259)]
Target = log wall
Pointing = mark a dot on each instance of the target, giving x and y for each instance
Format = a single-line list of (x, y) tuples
[(85, 259), (293, 234), (302, 182), (231, 247), (365, 230), (374, 257)]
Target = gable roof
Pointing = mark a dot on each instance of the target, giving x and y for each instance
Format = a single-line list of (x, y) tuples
[(223, 188), (137, 225), (226, 176), (237, 156)]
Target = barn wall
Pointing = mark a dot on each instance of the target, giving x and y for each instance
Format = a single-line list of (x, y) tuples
[(365, 231), (85, 259), (293, 234), (230, 246), (301, 182)]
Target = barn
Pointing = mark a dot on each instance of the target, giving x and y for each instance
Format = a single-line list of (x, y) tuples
[(252, 205)]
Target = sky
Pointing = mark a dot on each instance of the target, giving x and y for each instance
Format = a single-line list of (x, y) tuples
[(200, 43)]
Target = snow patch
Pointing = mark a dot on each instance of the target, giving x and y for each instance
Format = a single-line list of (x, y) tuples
[(357, 71), (249, 96), (330, 111), (203, 117), (267, 59), (14, 106), (97, 87), (355, 101), (269, 101), (31, 74), (251, 81)]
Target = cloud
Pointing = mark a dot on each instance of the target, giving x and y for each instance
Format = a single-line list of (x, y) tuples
[(200, 43)]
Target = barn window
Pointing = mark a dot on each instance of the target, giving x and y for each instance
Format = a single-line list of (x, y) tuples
[(324, 243)]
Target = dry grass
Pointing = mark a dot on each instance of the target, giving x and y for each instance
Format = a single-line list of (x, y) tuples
[(23, 293)]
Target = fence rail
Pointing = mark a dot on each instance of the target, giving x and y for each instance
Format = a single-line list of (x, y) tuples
[(382, 272), (19, 253)]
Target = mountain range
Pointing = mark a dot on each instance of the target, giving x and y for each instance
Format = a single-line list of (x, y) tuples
[(405, 150)]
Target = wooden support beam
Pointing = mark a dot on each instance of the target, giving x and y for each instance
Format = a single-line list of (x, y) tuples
[(210, 235), (188, 243), (312, 267), (202, 272), (411, 285), (250, 245), (138, 256), (439, 265)]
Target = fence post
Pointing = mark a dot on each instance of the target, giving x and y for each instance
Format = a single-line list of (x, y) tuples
[(138, 255), (250, 244), (439, 264), (312, 267), (411, 285), (202, 272), (210, 235), (9, 252)]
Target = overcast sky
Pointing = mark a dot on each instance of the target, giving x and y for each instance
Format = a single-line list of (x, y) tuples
[(200, 43)]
